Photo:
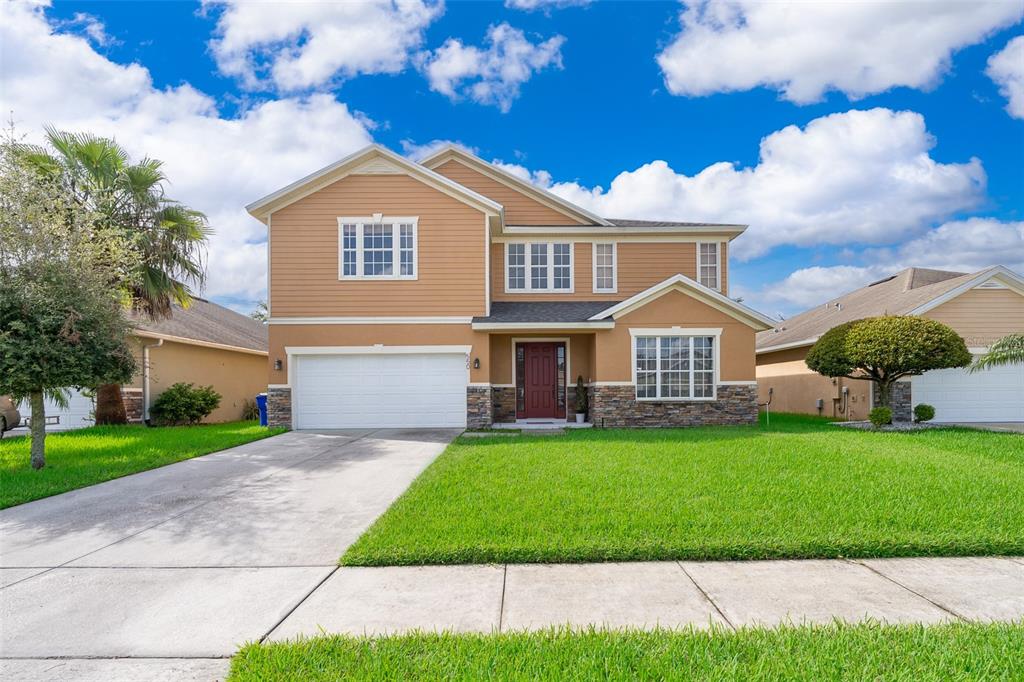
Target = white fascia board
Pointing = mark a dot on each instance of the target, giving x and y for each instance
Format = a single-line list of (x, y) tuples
[(196, 342), (731, 230), (256, 208), (508, 179), (1003, 274), (369, 320), (529, 326), (682, 281), (785, 346)]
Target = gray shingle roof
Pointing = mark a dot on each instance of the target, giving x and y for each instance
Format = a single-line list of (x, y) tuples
[(895, 295), (629, 222), (206, 321), (544, 311)]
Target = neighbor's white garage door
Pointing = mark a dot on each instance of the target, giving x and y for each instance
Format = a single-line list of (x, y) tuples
[(995, 395), (379, 390)]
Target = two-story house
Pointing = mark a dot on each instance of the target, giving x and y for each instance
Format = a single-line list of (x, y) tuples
[(450, 293)]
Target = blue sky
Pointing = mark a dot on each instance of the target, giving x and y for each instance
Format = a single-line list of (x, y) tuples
[(907, 150)]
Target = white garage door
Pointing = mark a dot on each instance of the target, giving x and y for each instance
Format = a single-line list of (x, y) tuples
[(380, 390), (995, 395), (77, 415)]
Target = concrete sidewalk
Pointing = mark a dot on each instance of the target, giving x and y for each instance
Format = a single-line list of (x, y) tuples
[(666, 594)]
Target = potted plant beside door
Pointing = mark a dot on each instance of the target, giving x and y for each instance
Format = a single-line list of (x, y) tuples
[(581, 400)]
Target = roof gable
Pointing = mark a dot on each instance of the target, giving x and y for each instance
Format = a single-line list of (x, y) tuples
[(371, 160), (684, 284), (454, 153)]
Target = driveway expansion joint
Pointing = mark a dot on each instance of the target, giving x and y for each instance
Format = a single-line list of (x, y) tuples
[(706, 595), (913, 592), (298, 604)]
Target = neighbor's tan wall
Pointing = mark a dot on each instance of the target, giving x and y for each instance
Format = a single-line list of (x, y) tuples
[(283, 336), (519, 208), (581, 350), (796, 388), (982, 316), (304, 253), (640, 265), (236, 376), (614, 354)]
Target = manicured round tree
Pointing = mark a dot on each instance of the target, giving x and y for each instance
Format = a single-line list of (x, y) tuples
[(886, 349)]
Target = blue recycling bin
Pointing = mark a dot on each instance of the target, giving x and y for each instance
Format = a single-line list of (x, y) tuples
[(261, 403)]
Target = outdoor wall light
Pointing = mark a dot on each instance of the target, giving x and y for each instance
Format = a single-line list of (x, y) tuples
[(277, 364), (476, 363)]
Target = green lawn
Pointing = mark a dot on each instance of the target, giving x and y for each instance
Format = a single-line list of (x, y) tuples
[(798, 489), (861, 652), (75, 459)]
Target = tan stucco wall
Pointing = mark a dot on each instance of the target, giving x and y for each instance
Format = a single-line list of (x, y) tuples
[(519, 208), (982, 316), (451, 253), (283, 336), (236, 376), (613, 347), (581, 350), (796, 388)]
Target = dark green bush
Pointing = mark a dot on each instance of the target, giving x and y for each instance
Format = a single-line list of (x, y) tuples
[(924, 412), (880, 416), (184, 404)]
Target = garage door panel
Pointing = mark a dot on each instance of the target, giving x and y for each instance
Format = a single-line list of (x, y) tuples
[(994, 395), (386, 391)]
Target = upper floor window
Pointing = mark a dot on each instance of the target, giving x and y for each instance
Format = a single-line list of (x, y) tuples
[(538, 266), (708, 266), (674, 367), (377, 247), (604, 268)]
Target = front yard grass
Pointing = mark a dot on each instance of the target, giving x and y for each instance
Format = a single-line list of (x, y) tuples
[(75, 459), (800, 488), (837, 652)]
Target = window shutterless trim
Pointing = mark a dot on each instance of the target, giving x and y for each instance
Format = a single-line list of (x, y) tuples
[(396, 223), (550, 268), (615, 268), (718, 264), (683, 332)]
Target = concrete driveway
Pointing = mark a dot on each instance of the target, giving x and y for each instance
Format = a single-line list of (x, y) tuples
[(162, 574)]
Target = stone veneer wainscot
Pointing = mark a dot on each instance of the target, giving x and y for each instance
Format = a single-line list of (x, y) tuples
[(479, 409), (617, 407), (279, 407)]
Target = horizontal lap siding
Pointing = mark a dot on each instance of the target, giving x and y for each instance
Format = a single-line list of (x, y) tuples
[(982, 316), (641, 265), (304, 253), (519, 208)]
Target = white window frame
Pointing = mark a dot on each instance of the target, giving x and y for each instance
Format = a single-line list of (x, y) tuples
[(718, 265), (615, 268), (660, 332), (550, 289), (396, 240)]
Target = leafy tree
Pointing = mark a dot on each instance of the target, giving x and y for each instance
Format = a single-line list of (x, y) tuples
[(61, 324), (1008, 350), (167, 237), (262, 313), (886, 349)]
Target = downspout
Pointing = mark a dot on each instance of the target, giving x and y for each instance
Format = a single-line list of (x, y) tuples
[(145, 378)]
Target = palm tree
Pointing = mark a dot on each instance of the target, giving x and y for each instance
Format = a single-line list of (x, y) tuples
[(1008, 350), (169, 239)]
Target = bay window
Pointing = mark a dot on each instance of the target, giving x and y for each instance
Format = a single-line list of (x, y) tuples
[(377, 247), (538, 266), (674, 367)]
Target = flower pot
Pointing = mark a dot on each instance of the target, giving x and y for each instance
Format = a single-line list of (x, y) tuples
[(580, 417)]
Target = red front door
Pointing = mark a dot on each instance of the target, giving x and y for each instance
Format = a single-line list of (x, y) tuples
[(541, 380)]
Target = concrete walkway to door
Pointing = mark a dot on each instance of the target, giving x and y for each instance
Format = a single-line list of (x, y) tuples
[(163, 574)]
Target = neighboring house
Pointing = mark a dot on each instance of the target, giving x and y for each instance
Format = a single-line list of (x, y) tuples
[(450, 293), (981, 306), (205, 344)]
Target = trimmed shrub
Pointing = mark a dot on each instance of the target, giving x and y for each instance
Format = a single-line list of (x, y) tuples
[(880, 416), (184, 404), (923, 413)]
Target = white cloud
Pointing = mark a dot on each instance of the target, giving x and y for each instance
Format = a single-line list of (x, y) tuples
[(959, 246), (856, 177), (806, 49), (215, 164), (417, 152), (295, 46), (492, 75), (1006, 68), (531, 5)]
